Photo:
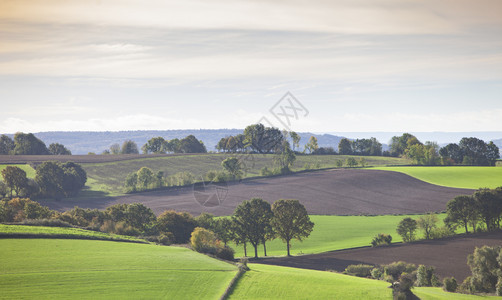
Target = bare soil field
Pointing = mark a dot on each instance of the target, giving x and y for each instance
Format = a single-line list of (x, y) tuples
[(27, 159), (448, 255), (329, 192)]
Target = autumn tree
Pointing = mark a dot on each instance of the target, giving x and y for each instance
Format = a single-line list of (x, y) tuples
[(312, 145), (291, 221)]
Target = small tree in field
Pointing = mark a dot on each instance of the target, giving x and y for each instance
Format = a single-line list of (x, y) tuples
[(351, 162), (233, 166), (427, 223), (406, 229), (291, 221)]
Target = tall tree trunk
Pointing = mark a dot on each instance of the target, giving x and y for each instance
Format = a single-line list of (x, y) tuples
[(255, 251), (466, 230), (264, 249), (245, 250), (287, 243)]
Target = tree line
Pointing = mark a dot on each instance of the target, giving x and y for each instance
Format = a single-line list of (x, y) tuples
[(53, 179), (469, 151), (29, 144), (254, 221)]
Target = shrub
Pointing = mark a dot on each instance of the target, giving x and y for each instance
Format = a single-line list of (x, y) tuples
[(118, 228), (225, 252), (498, 287), (377, 273), (203, 240), (381, 239), (450, 284), (211, 175), (339, 163), (441, 232), (395, 269), (46, 222), (265, 172), (426, 276), (180, 224), (359, 270), (466, 286), (166, 238)]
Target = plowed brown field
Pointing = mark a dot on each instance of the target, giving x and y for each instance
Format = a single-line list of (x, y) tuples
[(332, 192), (448, 256)]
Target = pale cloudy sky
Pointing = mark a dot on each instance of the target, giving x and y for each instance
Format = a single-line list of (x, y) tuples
[(356, 65)]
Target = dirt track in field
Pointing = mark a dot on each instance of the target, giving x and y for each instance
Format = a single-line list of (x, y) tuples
[(448, 256), (331, 192)]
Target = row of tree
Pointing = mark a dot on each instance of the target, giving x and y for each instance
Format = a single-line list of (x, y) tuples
[(469, 151), (365, 147), (53, 180), (29, 144), (159, 145), (484, 206)]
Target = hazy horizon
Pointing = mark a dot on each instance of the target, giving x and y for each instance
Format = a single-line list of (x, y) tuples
[(355, 66)]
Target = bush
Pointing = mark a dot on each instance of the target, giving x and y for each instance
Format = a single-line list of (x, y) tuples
[(118, 228), (450, 284), (466, 286), (265, 172), (225, 252), (203, 240), (359, 270), (381, 239), (377, 273), (426, 276), (441, 232), (395, 269), (166, 238)]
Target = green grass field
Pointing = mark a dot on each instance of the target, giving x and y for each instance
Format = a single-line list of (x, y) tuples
[(62, 232), (30, 172), (273, 282), (430, 293), (457, 176), (335, 233), (80, 269)]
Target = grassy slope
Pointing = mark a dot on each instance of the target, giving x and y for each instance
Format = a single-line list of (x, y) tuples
[(30, 172), (427, 293), (335, 233), (273, 282), (458, 176), (67, 232), (75, 269)]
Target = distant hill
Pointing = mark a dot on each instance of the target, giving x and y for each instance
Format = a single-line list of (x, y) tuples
[(83, 142)]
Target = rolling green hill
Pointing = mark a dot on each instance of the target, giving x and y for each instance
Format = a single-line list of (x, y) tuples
[(458, 176), (62, 232), (335, 233), (81, 269), (274, 282)]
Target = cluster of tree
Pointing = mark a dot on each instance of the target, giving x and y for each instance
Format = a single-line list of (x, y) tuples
[(255, 222), (470, 151), (146, 179), (53, 179), (486, 268), (365, 147), (484, 207), (159, 145), (407, 228), (29, 144), (402, 275)]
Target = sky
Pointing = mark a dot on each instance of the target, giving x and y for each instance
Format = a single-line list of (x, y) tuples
[(349, 65)]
